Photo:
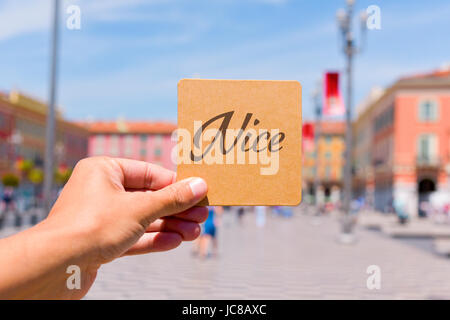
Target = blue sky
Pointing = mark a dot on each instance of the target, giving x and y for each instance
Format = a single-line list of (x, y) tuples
[(129, 55)]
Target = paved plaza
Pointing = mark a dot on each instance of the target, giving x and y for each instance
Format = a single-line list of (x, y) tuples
[(288, 258)]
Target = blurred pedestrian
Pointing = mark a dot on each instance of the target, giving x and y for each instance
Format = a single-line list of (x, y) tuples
[(8, 204), (275, 210), (447, 211), (399, 206), (260, 216), (209, 236), (240, 214), (287, 212), (424, 209)]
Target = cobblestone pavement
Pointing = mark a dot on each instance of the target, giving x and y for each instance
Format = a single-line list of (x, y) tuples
[(296, 258)]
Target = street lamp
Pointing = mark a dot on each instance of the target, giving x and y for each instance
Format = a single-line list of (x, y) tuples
[(344, 19), (50, 128), (316, 93)]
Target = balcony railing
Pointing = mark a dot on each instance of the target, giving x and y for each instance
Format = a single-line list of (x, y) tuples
[(427, 161)]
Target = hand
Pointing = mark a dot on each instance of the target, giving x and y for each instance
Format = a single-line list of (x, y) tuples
[(109, 208)]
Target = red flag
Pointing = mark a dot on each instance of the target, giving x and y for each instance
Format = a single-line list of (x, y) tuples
[(308, 137), (333, 104)]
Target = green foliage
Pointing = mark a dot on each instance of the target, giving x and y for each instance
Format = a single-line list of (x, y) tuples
[(62, 175), (10, 180), (36, 176), (25, 165)]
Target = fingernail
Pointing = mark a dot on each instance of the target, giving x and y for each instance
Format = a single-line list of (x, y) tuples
[(198, 187)]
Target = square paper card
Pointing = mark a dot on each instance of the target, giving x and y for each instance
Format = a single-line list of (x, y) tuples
[(244, 138)]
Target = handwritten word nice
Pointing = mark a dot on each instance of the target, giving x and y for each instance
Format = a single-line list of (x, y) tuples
[(229, 146)]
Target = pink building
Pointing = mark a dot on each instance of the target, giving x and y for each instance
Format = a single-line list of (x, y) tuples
[(402, 144), (146, 141)]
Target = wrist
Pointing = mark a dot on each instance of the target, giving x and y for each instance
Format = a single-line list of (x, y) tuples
[(41, 257)]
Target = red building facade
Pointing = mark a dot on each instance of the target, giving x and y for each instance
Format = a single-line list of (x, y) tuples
[(405, 136)]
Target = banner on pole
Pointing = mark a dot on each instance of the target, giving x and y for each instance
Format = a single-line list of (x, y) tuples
[(332, 102), (308, 137)]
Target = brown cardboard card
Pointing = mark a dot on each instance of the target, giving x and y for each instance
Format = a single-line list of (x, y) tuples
[(243, 137)]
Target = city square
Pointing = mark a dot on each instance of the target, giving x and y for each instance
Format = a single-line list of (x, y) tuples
[(235, 150), (256, 263)]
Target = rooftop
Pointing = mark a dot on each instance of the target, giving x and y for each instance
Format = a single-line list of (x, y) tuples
[(124, 126), (443, 72), (438, 77), (330, 127)]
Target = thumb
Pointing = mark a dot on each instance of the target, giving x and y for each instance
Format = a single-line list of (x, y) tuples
[(172, 199)]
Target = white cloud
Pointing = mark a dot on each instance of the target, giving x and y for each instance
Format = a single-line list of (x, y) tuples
[(276, 57), (19, 17), (301, 54), (405, 18), (31, 16)]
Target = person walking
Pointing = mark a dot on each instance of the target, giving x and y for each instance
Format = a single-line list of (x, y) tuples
[(260, 216), (8, 204), (209, 236)]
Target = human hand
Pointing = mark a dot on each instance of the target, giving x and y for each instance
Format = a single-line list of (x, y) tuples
[(111, 208)]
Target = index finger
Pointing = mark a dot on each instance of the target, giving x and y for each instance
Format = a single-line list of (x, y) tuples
[(144, 175)]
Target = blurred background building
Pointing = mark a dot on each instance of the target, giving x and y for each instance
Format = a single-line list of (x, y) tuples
[(364, 175), (402, 142), (327, 166), (22, 133), (146, 141)]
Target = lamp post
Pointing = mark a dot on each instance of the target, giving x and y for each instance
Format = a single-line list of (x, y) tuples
[(317, 131), (50, 128), (344, 18)]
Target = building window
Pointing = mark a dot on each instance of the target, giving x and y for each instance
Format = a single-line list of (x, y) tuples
[(30, 128), (158, 140), (98, 145), (427, 145), (327, 172), (114, 145), (143, 151), (384, 120), (428, 110), (158, 144), (338, 174), (128, 145), (328, 155)]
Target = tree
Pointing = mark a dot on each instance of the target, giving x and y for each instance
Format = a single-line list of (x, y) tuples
[(10, 180)]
